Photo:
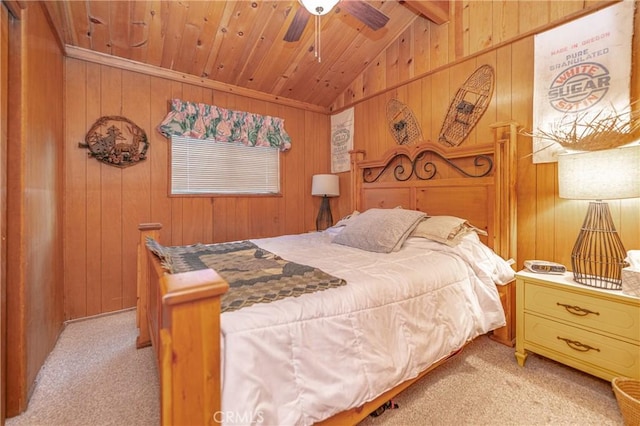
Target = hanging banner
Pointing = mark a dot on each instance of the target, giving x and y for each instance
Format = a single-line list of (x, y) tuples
[(341, 140), (582, 70)]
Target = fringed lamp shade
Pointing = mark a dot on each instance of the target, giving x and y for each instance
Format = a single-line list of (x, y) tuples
[(598, 255), (325, 186)]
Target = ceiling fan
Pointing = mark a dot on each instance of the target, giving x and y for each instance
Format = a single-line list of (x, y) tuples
[(360, 9)]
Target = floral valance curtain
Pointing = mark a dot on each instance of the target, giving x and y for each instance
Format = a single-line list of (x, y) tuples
[(202, 121)]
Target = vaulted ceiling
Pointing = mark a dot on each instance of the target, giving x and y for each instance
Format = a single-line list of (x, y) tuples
[(238, 43)]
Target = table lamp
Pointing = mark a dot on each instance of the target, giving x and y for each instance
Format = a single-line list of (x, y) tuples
[(325, 186), (598, 255)]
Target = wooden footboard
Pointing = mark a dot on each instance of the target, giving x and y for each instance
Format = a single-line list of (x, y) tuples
[(179, 315)]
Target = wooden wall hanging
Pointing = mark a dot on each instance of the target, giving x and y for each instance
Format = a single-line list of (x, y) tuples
[(467, 107), (403, 124), (116, 141)]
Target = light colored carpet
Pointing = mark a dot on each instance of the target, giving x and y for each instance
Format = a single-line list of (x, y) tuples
[(484, 385), (95, 376)]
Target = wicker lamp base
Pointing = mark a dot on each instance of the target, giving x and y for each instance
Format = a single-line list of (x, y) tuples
[(598, 254)]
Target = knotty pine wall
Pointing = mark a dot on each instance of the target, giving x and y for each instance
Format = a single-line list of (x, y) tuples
[(105, 204), (479, 33), (473, 27), (34, 200), (4, 102)]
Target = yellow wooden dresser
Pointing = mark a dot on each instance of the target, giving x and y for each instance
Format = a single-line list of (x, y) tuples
[(594, 330)]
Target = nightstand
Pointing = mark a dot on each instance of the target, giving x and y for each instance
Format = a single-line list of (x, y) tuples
[(591, 329)]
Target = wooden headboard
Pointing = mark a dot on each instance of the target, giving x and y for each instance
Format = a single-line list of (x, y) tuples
[(475, 182)]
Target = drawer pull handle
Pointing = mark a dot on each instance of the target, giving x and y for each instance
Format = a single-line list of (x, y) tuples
[(577, 310), (575, 345)]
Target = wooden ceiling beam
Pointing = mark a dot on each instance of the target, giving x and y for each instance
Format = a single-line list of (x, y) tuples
[(436, 11)]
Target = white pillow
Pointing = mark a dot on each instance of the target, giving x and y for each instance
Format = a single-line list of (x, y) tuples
[(379, 230), (448, 230)]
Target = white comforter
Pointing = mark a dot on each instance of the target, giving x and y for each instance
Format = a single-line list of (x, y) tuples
[(301, 360)]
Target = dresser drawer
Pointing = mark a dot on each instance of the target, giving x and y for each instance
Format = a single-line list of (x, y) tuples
[(584, 310), (572, 345)]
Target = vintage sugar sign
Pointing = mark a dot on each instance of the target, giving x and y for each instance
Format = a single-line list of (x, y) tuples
[(582, 69), (341, 140)]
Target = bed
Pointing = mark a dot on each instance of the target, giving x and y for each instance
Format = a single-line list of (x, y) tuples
[(334, 355)]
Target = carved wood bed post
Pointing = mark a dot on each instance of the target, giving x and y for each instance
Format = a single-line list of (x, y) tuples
[(505, 211), (356, 182), (180, 315), (190, 343), (146, 230)]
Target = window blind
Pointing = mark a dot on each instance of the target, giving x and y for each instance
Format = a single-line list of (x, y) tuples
[(200, 166)]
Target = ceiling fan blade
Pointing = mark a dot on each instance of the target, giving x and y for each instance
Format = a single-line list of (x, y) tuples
[(363, 11), (297, 25)]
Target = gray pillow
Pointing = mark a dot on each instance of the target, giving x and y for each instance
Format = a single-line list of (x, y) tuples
[(448, 230), (379, 230), (347, 219)]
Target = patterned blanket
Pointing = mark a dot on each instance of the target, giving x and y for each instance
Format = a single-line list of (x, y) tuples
[(254, 275)]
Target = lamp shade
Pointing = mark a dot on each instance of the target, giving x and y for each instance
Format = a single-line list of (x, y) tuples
[(325, 185), (319, 7), (600, 175)]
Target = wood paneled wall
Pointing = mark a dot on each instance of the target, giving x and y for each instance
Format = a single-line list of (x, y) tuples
[(34, 201), (547, 225), (473, 27), (4, 99), (105, 204)]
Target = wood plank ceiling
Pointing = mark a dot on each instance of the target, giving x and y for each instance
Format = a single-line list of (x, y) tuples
[(238, 43)]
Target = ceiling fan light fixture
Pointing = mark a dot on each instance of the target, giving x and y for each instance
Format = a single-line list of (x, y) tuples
[(319, 7)]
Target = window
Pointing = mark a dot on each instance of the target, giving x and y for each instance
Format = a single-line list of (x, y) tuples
[(200, 166)]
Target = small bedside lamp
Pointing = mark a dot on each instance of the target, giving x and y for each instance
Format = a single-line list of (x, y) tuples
[(598, 255), (325, 186)]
